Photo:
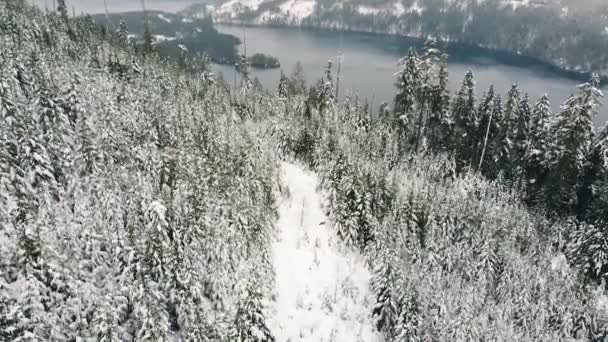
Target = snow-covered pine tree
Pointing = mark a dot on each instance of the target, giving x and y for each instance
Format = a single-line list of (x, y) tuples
[(440, 122), (521, 141), (536, 155), (149, 43), (250, 324), (465, 119), (507, 126), (573, 137), (283, 87), (62, 8), (384, 286), (427, 65), (122, 33), (409, 312), (407, 83), (325, 87), (486, 122)]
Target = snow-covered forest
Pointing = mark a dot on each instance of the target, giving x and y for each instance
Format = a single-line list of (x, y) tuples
[(143, 199)]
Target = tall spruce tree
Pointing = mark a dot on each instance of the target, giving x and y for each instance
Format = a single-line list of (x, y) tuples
[(573, 138), (465, 119), (408, 83), (440, 123), (521, 139), (536, 154)]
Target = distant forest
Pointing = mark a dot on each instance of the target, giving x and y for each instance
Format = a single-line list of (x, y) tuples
[(198, 35)]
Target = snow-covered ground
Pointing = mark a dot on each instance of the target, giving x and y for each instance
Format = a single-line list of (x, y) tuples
[(322, 287)]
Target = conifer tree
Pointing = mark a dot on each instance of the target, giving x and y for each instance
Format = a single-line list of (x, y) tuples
[(486, 123), (465, 120), (440, 122), (62, 8), (573, 137), (506, 133), (149, 42), (407, 85), (427, 66), (282, 90), (539, 145), (250, 324), (384, 283), (521, 139)]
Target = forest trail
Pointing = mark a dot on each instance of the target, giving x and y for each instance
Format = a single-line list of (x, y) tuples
[(322, 287)]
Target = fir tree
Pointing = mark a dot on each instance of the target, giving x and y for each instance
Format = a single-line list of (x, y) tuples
[(407, 87), (440, 122), (122, 33), (521, 140), (465, 120), (427, 66), (149, 43), (282, 90), (486, 123), (62, 8), (506, 134), (384, 286), (573, 137), (250, 324), (539, 144)]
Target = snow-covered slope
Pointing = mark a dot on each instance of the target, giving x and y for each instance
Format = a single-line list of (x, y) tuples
[(322, 286)]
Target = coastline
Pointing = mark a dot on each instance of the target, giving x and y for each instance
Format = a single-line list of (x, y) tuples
[(503, 55)]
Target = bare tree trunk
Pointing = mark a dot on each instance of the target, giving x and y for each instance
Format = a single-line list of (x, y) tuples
[(485, 142)]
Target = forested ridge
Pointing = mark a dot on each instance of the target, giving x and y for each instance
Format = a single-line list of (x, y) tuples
[(138, 196)]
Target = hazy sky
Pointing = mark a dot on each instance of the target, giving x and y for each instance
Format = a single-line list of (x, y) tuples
[(97, 6)]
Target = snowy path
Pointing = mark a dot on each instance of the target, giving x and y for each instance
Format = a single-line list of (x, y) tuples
[(322, 287)]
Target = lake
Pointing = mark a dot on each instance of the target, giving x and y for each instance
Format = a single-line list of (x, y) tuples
[(370, 62)]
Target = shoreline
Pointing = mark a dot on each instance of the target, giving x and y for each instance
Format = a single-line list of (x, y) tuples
[(504, 56)]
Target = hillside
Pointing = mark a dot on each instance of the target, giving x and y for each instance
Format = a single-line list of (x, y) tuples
[(144, 200), (170, 31), (564, 33)]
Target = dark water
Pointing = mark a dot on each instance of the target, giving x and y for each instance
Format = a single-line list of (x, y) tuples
[(370, 62)]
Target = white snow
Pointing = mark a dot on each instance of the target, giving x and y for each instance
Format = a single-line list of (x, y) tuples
[(163, 18), (187, 20), (415, 8), (322, 287), (366, 10), (162, 38), (230, 6), (298, 9), (398, 9)]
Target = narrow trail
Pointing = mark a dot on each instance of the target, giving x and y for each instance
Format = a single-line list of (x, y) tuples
[(322, 287)]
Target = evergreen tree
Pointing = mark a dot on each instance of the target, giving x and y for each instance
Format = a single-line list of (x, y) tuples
[(282, 90), (122, 33), (536, 154), (407, 88), (325, 88), (62, 8), (384, 286), (408, 85), (465, 120), (573, 137), (250, 324), (297, 81), (521, 140), (440, 123), (486, 122), (506, 134), (427, 65), (149, 43)]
